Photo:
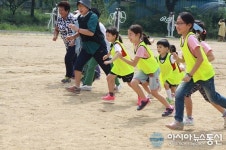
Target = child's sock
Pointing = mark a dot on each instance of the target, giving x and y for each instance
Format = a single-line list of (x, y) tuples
[(111, 93), (169, 94), (190, 117)]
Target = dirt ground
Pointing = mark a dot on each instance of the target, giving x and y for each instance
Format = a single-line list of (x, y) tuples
[(37, 113)]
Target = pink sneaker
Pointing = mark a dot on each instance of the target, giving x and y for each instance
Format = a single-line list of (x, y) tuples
[(108, 98)]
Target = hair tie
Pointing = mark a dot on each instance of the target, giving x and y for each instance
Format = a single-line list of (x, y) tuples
[(204, 32)]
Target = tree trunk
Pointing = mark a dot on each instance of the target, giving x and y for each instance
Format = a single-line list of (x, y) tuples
[(32, 8)]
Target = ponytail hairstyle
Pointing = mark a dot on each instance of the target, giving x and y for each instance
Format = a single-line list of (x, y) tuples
[(145, 38), (137, 29), (172, 49), (114, 31)]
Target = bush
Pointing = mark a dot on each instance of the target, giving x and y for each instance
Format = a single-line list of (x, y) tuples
[(23, 21)]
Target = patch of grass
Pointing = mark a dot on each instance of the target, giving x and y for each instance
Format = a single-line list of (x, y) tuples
[(23, 21), (6, 26)]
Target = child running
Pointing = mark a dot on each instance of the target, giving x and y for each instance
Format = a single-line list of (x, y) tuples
[(199, 70), (119, 69), (199, 30), (171, 74), (147, 68)]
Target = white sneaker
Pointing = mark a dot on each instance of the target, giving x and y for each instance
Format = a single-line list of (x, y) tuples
[(86, 88), (224, 122), (117, 88), (188, 121)]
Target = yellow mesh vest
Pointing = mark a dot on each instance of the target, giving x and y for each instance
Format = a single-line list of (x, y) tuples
[(120, 67), (172, 75), (205, 71), (149, 65)]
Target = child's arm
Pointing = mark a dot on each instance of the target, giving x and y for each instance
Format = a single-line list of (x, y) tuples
[(210, 56), (113, 59), (107, 56), (208, 51), (130, 62)]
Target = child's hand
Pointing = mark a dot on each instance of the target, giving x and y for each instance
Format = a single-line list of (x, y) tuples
[(175, 56), (186, 78), (107, 62), (105, 57)]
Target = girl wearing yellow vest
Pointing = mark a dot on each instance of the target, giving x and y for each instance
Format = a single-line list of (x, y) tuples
[(119, 69), (200, 32), (198, 70), (147, 68), (171, 75)]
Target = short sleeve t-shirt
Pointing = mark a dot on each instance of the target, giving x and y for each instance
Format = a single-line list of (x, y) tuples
[(193, 43), (142, 52), (117, 48), (206, 47)]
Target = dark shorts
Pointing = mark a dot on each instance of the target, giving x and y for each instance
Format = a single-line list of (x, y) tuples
[(126, 78), (171, 85), (84, 57)]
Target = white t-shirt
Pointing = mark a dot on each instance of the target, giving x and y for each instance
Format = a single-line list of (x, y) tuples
[(117, 48), (103, 30)]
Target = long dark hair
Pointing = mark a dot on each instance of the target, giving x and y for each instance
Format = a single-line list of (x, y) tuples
[(187, 18), (114, 31), (137, 29)]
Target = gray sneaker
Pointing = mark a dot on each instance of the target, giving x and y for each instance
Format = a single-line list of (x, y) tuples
[(86, 88), (188, 121), (117, 88), (74, 89)]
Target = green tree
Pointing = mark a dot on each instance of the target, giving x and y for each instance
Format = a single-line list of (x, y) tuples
[(170, 5), (14, 5), (99, 4)]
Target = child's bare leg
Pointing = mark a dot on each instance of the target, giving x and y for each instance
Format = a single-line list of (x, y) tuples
[(145, 87), (135, 86), (188, 106), (111, 82), (159, 97)]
